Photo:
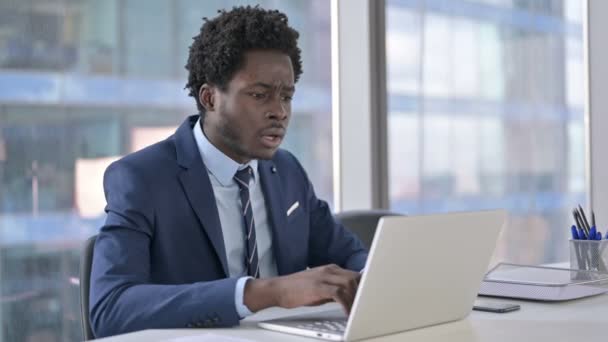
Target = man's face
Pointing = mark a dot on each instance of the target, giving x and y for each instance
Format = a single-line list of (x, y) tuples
[(249, 119)]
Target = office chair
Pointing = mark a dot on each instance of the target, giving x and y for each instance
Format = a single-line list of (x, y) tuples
[(363, 223), (86, 260)]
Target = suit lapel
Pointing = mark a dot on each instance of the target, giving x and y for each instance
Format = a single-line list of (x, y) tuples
[(197, 186), (271, 186)]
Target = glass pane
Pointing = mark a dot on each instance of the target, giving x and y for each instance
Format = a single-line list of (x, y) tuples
[(486, 111), (84, 82)]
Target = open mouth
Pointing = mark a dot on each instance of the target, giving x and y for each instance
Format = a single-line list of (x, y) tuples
[(271, 141)]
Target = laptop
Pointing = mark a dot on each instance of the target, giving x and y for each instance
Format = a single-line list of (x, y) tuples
[(421, 271)]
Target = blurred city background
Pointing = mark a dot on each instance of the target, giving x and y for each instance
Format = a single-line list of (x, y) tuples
[(485, 99)]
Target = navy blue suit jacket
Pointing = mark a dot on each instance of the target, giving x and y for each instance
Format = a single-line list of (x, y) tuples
[(160, 261)]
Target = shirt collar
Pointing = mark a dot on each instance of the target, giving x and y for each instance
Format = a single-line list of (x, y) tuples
[(222, 167)]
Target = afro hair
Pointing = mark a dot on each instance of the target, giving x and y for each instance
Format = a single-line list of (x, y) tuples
[(218, 50)]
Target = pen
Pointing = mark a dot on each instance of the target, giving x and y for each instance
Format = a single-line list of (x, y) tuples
[(576, 223), (584, 218), (580, 221), (574, 232), (593, 218), (595, 255), (580, 225), (576, 246), (586, 260), (585, 226)]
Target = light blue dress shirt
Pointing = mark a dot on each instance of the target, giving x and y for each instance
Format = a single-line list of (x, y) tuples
[(221, 170)]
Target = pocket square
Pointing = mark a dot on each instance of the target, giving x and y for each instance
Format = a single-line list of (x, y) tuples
[(292, 208)]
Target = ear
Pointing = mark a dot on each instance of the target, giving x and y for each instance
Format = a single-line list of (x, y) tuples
[(206, 96)]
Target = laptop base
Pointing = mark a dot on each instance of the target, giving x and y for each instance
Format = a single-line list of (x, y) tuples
[(329, 325)]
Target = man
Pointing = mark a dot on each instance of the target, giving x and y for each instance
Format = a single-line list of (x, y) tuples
[(216, 222)]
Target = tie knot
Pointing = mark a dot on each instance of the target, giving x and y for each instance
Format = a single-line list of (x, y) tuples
[(243, 176)]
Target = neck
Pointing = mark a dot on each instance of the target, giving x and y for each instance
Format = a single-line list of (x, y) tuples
[(216, 141)]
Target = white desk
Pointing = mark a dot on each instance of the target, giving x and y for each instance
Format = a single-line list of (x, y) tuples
[(584, 320)]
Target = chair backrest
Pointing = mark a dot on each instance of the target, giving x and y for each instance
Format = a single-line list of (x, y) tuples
[(86, 260), (363, 222)]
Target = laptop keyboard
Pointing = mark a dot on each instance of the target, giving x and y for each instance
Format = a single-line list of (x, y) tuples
[(333, 326)]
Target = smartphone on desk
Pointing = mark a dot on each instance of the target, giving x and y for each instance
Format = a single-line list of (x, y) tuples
[(497, 307)]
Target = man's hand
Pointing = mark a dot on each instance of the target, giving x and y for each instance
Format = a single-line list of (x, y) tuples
[(311, 287)]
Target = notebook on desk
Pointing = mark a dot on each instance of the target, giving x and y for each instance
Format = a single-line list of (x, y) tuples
[(542, 283), (421, 271)]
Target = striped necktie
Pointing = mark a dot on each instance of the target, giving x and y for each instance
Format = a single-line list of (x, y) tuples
[(242, 178)]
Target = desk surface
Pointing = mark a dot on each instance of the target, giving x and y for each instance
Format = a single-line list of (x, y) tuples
[(584, 320)]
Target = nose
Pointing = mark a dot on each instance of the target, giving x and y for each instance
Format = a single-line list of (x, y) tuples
[(279, 110)]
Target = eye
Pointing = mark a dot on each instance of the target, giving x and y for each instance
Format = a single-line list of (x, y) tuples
[(258, 96), (287, 98)]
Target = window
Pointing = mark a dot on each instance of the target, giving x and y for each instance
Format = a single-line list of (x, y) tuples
[(486, 111), (84, 82)]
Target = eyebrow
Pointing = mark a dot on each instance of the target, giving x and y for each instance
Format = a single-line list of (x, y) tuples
[(270, 86)]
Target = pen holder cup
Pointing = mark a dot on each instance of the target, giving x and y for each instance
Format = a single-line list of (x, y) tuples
[(589, 255)]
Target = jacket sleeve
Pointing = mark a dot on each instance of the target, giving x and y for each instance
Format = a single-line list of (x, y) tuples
[(122, 297), (329, 241)]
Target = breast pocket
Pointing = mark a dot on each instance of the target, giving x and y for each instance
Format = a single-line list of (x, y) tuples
[(295, 215), (298, 231), (293, 208), (298, 226)]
